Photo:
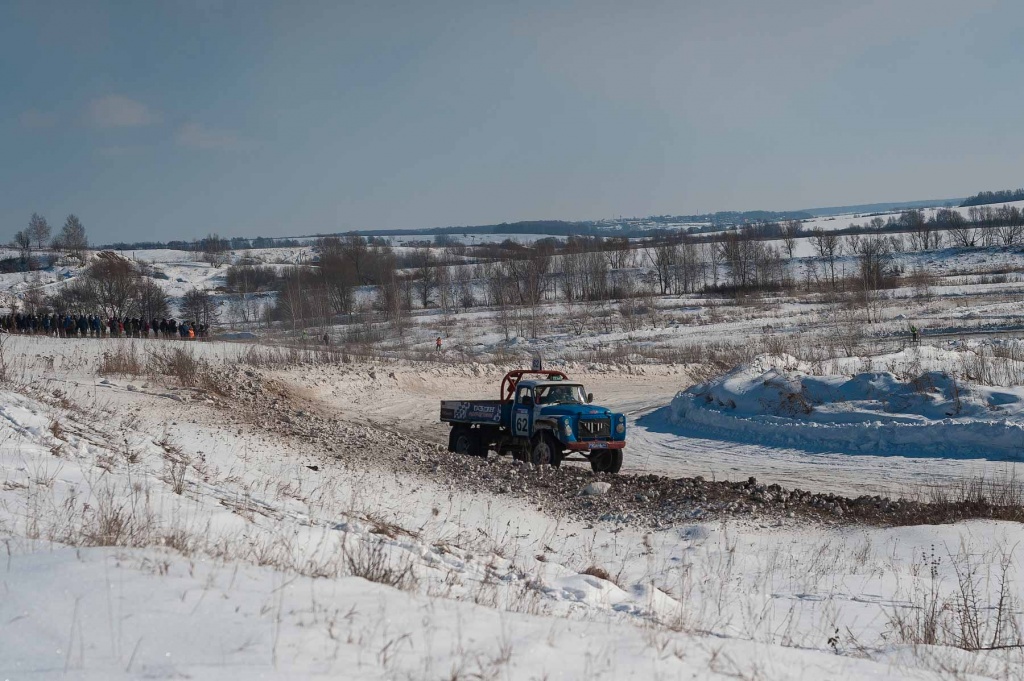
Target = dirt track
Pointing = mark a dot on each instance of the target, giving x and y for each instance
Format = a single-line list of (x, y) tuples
[(367, 430)]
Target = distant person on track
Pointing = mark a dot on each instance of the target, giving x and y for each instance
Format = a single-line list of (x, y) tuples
[(913, 334), (438, 344)]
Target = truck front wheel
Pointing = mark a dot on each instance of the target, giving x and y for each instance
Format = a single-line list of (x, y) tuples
[(545, 449), (607, 461), (465, 441)]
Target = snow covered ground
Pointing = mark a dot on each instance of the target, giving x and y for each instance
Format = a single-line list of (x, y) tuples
[(153, 530), (282, 517), (833, 222), (892, 406)]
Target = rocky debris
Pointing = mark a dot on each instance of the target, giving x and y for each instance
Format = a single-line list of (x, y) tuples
[(694, 533), (639, 500), (596, 488)]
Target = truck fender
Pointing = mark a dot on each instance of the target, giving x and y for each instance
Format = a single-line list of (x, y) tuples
[(546, 424), (549, 425)]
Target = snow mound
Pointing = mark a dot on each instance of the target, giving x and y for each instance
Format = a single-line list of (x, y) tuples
[(775, 399)]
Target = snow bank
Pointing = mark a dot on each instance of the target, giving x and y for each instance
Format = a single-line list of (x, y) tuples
[(776, 399)]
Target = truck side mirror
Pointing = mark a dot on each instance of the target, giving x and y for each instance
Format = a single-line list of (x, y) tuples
[(590, 397)]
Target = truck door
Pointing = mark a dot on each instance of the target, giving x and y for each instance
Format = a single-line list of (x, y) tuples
[(522, 413)]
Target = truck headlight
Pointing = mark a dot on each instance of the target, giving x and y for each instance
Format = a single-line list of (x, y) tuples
[(567, 427), (621, 428)]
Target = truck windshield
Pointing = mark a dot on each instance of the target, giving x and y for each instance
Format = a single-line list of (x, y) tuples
[(561, 394)]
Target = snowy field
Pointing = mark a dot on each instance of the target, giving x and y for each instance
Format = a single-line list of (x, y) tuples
[(261, 508), (194, 534), (832, 222)]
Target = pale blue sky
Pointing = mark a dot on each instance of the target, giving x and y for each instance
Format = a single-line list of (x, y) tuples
[(164, 120)]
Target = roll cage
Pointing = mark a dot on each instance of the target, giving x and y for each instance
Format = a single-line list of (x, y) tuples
[(512, 378)]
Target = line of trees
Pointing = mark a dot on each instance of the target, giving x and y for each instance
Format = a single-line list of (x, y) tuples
[(71, 239), (596, 278), (114, 287), (111, 287), (235, 243), (983, 198)]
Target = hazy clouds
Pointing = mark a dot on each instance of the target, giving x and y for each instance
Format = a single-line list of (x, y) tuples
[(267, 118)]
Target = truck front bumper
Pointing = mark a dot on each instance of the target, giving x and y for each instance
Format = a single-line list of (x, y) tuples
[(599, 444)]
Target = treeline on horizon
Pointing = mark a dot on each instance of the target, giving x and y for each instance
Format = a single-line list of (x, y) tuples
[(601, 227), (236, 243), (608, 280), (985, 198), (563, 228)]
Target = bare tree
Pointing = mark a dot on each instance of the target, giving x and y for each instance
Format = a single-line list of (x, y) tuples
[(39, 230), (919, 229), (790, 232), (337, 277), (578, 315), (447, 293), (829, 248), (150, 300), (876, 272), (426, 274), (354, 251), (114, 282), (34, 297), (961, 232), (1011, 225), (464, 282), (22, 241), (664, 258), (690, 268), (619, 254), (197, 305), (502, 293), (216, 251), (533, 283), (72, 239), (712, 256)]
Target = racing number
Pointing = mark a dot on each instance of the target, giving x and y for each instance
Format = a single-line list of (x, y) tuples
[(522, 423)]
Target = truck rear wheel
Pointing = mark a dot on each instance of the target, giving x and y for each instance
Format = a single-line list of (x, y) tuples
[(545, 449), (607, 461), (465, 441)]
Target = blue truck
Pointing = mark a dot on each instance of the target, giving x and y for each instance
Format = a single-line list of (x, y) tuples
[(541, 417)]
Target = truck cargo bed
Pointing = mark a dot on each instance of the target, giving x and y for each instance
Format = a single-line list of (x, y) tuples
[(473, 411)]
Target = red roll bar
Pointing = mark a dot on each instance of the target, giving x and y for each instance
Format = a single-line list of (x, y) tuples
[(512, 378)]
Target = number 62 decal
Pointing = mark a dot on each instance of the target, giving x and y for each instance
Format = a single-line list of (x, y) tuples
[(522, 423)]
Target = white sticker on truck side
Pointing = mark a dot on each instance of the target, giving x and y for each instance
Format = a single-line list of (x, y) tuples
[(522, 423)]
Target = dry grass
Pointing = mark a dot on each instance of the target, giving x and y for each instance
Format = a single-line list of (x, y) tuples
[(977, 614), (178, 363), (375, 562), (285, 356), (122, 360)]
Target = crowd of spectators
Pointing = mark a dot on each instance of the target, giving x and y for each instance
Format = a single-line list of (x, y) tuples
[(95, 326)]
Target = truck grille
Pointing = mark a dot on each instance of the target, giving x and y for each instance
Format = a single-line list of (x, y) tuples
[(595, 429)]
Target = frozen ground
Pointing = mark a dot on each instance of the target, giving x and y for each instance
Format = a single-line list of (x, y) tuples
[(664, 444), (152, 530), (284, 518)]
